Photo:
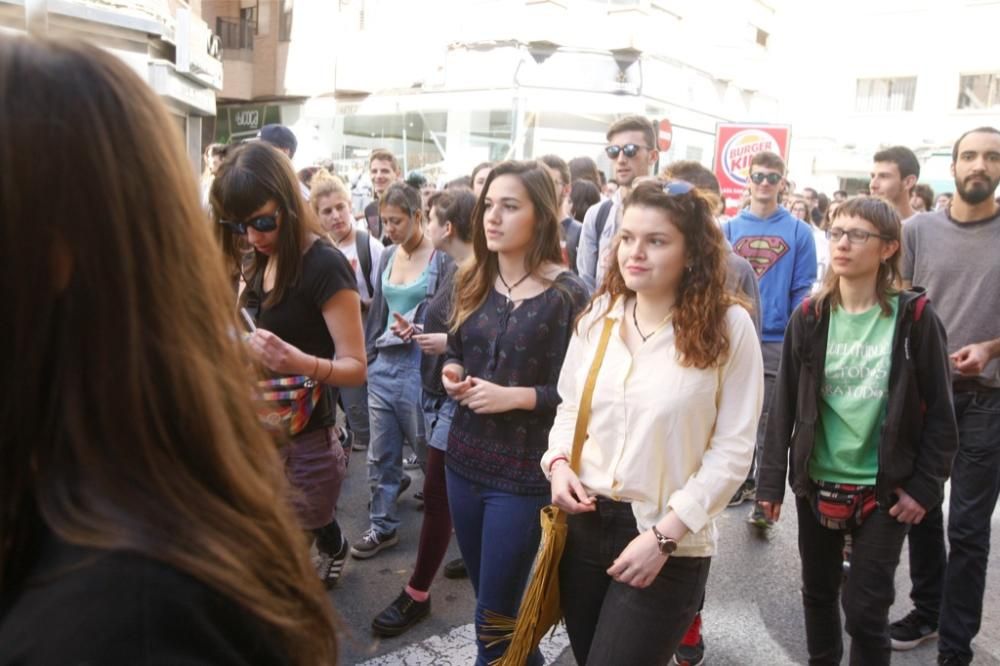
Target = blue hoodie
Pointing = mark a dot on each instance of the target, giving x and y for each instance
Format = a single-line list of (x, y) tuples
[(782, 252)]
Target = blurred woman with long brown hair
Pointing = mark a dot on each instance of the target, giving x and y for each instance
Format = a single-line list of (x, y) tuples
[(670, 435), (142, 507)]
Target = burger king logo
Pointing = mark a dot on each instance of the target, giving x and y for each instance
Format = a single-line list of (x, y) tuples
[(740, 149)]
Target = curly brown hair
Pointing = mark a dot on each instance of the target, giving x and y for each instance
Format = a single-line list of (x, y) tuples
[(699, 317)]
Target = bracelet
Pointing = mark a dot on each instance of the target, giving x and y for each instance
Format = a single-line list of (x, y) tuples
[(315, 372), (329, 373), (555, 460)]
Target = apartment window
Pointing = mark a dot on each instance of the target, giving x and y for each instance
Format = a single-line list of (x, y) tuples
[(979, 91), (235, 33), (895, 94), (285, 21)]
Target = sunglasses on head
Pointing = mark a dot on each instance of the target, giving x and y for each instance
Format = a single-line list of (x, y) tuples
[(673, 188), (630, 150), (771, 178), (261, 223)]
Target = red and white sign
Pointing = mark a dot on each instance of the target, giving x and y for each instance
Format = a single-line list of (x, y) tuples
[(735, 146), (666, 135)]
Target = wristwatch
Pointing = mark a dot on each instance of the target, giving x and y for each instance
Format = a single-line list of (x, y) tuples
[(666, 544)]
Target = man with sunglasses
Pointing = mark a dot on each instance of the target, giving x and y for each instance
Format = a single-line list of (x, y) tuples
[(632, 150), (782, 251)]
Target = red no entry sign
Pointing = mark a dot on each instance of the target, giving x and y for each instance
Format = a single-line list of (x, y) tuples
[(666, 135)]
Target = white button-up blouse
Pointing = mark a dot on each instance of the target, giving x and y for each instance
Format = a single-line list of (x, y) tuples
[(663, 436)]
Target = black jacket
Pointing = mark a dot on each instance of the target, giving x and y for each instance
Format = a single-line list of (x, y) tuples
[(919, 435)]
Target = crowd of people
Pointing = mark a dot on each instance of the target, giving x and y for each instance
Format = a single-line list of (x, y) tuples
[(173, 457)]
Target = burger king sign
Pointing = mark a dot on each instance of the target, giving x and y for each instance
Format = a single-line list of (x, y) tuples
[(735, 147)]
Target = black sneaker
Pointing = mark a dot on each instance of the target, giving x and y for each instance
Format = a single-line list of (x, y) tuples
[(358, 445), (911, 631), (372, 542), (950, 660), (747, 491), (400, 615), (456, 569), (329, 567), (404, 483)]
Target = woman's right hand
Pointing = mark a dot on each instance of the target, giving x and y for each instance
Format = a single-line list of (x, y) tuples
[(454, 385), (772, 510), (432, 344), (567, 492)]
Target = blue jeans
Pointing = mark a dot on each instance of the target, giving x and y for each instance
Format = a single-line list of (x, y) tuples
[(355, 401), (438, 413), (498, 534), (396, 413), (960, 580)]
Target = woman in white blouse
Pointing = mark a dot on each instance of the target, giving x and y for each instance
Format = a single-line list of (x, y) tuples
[(671, 432)]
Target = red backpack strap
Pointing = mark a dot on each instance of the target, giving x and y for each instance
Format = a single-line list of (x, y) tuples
[(918, 307)]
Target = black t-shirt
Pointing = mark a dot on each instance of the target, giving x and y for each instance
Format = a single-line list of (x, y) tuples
[(298, 317), (436, 319), (85, 606)]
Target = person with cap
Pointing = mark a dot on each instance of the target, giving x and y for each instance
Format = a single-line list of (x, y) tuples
[(284, 140)]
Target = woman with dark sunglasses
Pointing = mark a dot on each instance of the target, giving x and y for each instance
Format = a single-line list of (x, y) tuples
[(670, 434), (302, 293), (863, 423)]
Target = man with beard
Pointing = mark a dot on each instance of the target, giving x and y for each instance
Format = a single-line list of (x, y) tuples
[(953, 254)]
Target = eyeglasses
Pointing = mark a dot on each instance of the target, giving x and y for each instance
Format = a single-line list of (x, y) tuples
[(261, 223), (760, 177), (630, 150), (855, 236)]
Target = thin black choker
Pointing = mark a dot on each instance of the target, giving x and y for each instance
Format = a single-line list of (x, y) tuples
[(511, 288)]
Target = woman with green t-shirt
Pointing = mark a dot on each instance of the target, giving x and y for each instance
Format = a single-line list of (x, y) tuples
[(863, 400)]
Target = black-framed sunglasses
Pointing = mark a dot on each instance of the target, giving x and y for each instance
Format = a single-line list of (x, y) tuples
[(630, 150), (261, 223), (855, 236), (760, 177)]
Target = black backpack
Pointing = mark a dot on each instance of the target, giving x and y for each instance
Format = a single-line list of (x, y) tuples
[(364, 257)]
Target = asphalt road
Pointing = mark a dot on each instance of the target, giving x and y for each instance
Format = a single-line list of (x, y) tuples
[(752, 615)]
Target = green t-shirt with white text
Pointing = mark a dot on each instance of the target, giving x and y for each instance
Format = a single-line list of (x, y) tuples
[(853, 395)]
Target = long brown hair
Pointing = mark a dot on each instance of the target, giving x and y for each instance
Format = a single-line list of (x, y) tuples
[(699, 317), (476, 277), (883, 216), (126, 422), (253, 174)]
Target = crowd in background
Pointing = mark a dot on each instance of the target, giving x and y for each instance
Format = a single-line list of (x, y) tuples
[(534, 333)]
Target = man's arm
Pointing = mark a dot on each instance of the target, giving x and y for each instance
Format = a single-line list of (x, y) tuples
[(586, 253)]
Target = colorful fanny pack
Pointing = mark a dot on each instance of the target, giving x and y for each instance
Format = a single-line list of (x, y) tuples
[(285, 403), (842, 506)]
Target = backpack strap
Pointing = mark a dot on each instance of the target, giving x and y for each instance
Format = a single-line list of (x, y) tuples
[(602, 217), (365, 257), (918, 307)]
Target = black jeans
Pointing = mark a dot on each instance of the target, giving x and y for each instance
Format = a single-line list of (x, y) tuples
[(613, 624), (955, 585), (867, 593)]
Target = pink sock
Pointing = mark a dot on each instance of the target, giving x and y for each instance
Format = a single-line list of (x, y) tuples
[(417, 595)]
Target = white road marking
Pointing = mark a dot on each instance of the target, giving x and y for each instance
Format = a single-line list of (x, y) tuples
[(458, 648)]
